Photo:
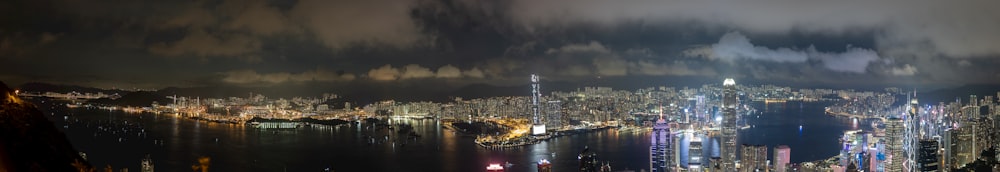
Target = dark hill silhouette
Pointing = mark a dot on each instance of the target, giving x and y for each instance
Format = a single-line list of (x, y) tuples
[(963, 92), (46, 87), (30, 142), (138, 98)]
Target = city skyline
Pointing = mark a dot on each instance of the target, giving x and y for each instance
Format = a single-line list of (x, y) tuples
[(455, 43), (959, 129), (510, 85)]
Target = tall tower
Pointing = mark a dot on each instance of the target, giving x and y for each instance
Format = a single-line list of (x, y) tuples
[(660, 150), (913, 133), (695, 154), (728, 137), (782, 156), (894, 131), (538, 128), (754, 158), (928, 158)]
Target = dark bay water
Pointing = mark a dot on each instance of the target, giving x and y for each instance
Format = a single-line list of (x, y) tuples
[(175, 143), (779, 124)]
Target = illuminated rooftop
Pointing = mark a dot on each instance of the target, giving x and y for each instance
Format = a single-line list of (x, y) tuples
[(729, 81)]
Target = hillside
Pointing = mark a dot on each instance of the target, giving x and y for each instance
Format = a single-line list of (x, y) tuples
[(29, 141)]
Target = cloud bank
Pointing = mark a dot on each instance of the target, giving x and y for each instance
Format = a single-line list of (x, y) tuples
[(734, 46)]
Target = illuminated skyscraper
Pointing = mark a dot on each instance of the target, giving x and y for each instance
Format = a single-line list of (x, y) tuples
[(714, 164), (754, 158), (538, 128), (782, 156), (694, 154), (660, 152), (928, 158), (948, 144), (913, 135), (894, 135), (554, 115), (728, 136)]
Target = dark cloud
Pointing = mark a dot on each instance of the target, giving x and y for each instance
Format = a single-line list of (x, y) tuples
[(733, 46), (268, 42)]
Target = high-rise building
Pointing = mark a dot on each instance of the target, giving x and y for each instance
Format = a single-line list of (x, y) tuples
[(554, 115), (695, 154), (754, 158), (782, 156), (588, 161), (949, 146), (963, 149), (913, 135), (728, 137), (894, 135), (714, 164), (660, 152), (927, 156), (538, 128)]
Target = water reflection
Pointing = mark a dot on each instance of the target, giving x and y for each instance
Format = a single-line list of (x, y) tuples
[(347, 148)]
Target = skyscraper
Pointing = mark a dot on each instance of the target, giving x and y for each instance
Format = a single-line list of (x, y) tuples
[(554, 115), (894, 135), (927, 156), (754, 158), (694, 154), (728, 136), (782, 156), (538, 128), (660, 154)]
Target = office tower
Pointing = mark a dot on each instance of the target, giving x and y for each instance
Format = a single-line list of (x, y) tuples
[(912, 136), (554, 115), (588, 161), (973, 101), (782, 156), (538, 128), (894, 135), (949, 146), (873, 161), (700, 110), (927, 156), (728, 137), (964, 151), (660, 152), (714, 164), (754, 158), (694, 154)]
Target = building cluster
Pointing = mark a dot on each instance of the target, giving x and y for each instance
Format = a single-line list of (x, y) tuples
[(907, 138), (864, 104), (915, 137)]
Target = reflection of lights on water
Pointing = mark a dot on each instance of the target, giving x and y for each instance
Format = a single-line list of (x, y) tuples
[(855, 124)]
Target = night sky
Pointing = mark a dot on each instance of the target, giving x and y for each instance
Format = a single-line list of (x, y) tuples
[(195, 43)]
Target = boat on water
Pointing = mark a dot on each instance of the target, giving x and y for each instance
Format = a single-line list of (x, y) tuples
[(147, 164)]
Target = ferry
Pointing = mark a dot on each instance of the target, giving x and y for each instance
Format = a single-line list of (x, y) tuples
[(494, 167)]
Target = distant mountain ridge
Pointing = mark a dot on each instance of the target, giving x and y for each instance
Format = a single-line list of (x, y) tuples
[(962, 92), (46, 87), (368, 92)]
